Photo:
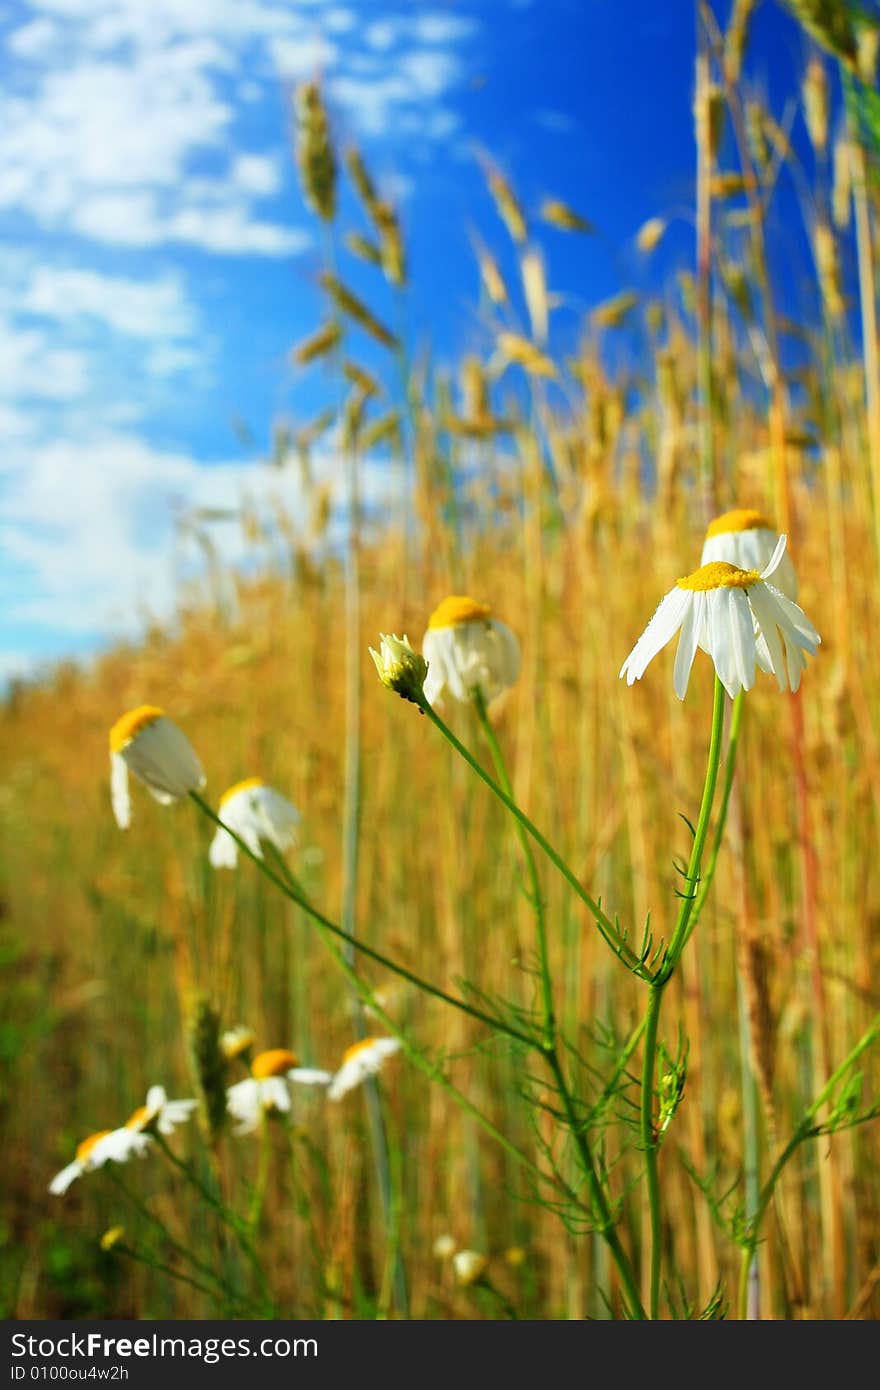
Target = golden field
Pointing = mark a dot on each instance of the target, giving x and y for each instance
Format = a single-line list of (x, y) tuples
[(569, 497)]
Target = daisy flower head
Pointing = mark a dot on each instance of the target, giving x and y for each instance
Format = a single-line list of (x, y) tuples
[(107, 1145), (267, 1091), (160, 1113), (738, 617), (400, 668), (467, 649), (359, 1061), (146, 742), (747, 539), (237, 1042), (255, 812), (469, 1266)]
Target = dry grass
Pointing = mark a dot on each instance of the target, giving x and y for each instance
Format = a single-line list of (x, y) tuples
[(571, 529)]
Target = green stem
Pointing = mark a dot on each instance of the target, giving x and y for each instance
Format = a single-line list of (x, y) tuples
[(535, 896), (620, 1065), (807, 1129), (598, 1198), (608, 930), (230, 1218), (680, 935), (431, 1070), (650, 1142), (729, 769), (295, 895), (152, 1263), (231, 1298), (258, 1195)]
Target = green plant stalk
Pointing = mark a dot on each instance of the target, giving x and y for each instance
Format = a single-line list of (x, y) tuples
[(258, 1196), (231, 1297), (230, 1218), (421, 1060), (680, 935), (597, 1192), (295, 895), (536, 899), (650, 1142), (723, 807), (140, 1257), (750, 1295), (549, 1049), (805, 1130), (606, 927)]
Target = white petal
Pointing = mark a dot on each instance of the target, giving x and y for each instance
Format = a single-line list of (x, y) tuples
[(765, 615), (61, 1181), (174, 1113), (119, 793), (664, 624), (721, 640), (687, 646), (797, 619), (223, 851), (310, 1076), (434, 653), (776, 558), (742, 633), (156, 1098)]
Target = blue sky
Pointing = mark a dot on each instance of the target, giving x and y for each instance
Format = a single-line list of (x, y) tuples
[(158, 261)]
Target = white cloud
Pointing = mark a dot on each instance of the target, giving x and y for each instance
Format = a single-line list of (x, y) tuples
[(256, 174), (91, 529), (139, 309), (304, 56), (34, 40), (33, 368)]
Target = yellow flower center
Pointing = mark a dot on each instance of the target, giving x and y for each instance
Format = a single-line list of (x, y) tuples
[(740, 519), (718, 574), (275, 1062), (357, 1048), (131, 724), (247, 785), (140, 1118), (85, 1148), (458, 608)]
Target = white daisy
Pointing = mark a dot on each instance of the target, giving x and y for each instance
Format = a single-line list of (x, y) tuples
[(466, 648), (146, 742), (469, 1266), (255, 812), (359, 1061), (160, 1113), (108, 1145), (746, 538), (266, 1091), (738, 617)]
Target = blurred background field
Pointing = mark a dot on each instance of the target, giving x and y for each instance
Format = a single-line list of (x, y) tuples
[(568, 488)]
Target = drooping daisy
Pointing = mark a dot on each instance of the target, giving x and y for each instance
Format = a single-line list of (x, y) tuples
[(255, 812), (108, 1145), (738, 617), (266, 1091), (237, 1042), (359, 1061), (160, 1113), (465, 648), (146, 742), (746, 538), (469, 1266)]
